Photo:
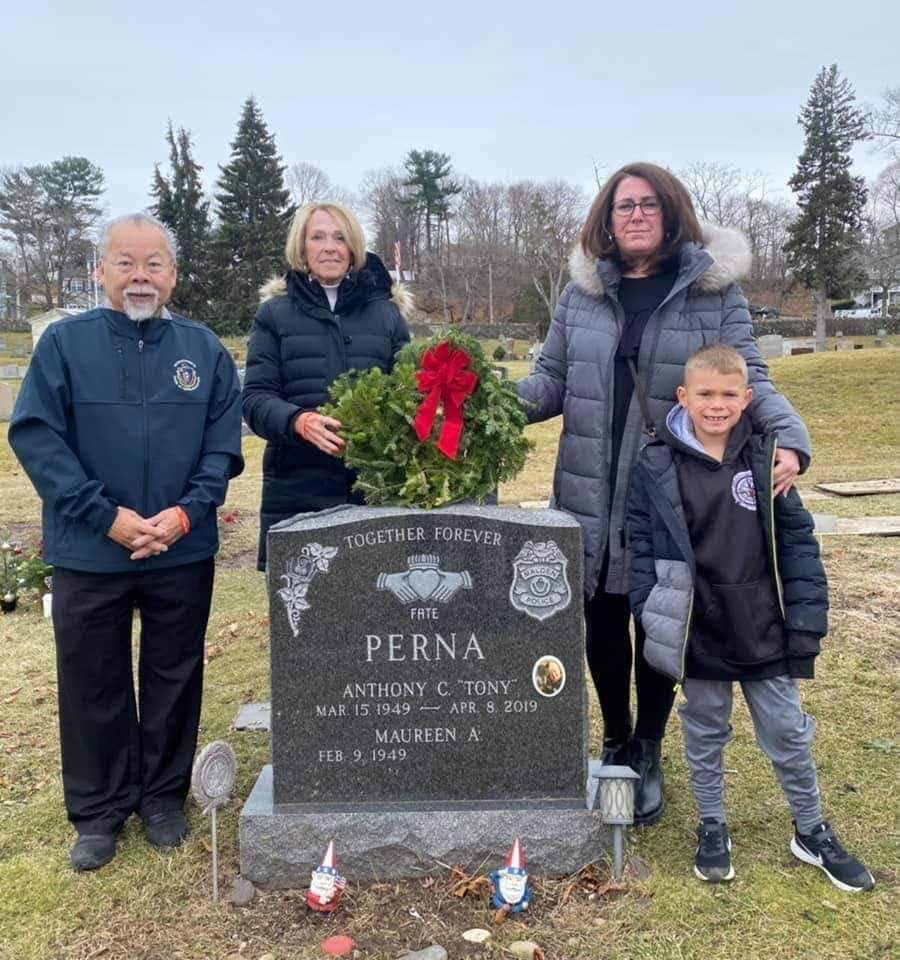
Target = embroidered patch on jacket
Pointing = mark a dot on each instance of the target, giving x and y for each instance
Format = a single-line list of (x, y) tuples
[(743, 490), (186, 376)]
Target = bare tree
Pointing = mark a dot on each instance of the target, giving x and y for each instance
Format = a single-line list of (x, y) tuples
[(309, 183), (382, 197), (556, 210), (883, 124), (882, 232), (600, 176), (717, 191), (726, 195)]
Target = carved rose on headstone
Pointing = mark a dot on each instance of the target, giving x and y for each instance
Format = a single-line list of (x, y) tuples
[(300, 571)]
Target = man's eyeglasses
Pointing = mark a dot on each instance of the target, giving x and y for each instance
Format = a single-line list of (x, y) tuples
[(649, 207), (124, 265)]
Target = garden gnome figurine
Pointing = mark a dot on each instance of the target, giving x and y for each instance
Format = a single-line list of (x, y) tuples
[(511, 887), (327, 884)]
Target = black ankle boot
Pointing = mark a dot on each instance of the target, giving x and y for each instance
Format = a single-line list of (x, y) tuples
[(616, 743), (648, 791), (615, 752)]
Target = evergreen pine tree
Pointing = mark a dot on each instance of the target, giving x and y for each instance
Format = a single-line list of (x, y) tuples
[(429, 177), (181, 207), (823, 248), (254, 211)]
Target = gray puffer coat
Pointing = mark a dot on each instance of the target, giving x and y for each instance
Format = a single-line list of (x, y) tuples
[(574, 377)]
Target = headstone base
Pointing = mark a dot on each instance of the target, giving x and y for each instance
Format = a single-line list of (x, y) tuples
[(280, 848)]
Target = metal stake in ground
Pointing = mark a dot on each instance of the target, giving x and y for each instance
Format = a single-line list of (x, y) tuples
[(616, 794), (212, 781)]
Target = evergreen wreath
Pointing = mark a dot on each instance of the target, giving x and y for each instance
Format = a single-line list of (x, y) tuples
[(381, 413)]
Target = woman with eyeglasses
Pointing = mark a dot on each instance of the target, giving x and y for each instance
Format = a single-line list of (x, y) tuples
[(649, 286)]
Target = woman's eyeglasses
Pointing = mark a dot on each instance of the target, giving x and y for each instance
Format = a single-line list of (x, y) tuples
[(649, 207)]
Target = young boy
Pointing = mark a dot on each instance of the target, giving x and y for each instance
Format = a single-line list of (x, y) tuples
[(728, 585)]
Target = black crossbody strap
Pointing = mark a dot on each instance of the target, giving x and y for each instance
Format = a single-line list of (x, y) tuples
[(642, 399)]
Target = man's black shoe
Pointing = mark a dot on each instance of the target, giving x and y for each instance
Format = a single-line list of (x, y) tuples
[(166, 829), (822, 849), (712, 861), (649, 802), (92, 850)]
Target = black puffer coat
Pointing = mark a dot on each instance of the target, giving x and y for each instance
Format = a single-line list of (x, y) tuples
[(298, 347)]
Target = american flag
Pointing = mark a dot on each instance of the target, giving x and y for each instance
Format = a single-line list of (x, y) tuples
[(398, 260)]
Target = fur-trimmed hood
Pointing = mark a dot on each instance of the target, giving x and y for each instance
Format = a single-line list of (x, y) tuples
[(400, 294), (728, 248)]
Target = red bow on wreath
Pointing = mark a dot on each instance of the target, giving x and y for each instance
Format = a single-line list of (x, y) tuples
[(446, 381)]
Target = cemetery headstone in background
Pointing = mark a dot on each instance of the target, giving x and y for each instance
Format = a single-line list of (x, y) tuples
[(771, 345), (428, 695), (7, 399)]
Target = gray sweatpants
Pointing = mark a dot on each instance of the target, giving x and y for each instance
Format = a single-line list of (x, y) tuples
[(783, 730)]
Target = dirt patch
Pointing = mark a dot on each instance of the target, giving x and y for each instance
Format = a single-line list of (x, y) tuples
[(383, 919)]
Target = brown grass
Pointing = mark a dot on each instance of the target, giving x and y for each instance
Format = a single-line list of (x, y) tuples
[(149, 905)]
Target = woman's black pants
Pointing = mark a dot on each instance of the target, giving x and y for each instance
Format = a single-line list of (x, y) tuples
[(121, 754), (609, 657)]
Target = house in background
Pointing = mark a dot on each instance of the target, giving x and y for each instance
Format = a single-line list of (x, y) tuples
[(40, 323), (873, 298), (893, 296)]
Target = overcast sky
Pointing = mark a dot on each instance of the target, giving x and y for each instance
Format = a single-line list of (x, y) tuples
[(509, 89)]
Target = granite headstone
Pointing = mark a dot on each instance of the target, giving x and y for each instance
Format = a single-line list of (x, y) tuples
[(7, 400), (428, 694), (770, 345)]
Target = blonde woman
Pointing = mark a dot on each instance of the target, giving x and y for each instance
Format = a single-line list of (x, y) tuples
[(334, 310)]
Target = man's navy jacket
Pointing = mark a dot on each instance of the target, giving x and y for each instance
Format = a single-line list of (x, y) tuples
[(117, 413)]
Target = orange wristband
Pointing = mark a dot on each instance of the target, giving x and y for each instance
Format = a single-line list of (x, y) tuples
[(184, 518)]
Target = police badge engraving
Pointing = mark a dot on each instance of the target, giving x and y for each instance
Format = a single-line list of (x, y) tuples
[(186, 376), (540, 586)]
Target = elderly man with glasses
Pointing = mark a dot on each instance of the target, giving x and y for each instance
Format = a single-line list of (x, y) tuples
[(128, 425)]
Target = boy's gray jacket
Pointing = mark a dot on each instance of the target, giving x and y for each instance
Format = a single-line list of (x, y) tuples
[(662, 575), (574, 377)]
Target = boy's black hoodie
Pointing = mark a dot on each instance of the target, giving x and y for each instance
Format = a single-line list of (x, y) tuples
[(737, 631), (712, 556)]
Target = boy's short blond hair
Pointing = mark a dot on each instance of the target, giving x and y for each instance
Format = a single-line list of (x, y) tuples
[(718, 357)]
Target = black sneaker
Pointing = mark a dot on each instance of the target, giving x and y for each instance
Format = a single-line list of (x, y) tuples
[(822, 849), (713, 859)]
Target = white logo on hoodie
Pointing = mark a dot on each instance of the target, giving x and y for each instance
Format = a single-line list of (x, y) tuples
[(743, 490)]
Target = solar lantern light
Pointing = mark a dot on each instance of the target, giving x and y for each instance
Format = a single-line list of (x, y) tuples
[(616, 797)]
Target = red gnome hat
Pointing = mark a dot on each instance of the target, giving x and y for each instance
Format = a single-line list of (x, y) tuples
[(327, 884), (328, 860), (516, 856)]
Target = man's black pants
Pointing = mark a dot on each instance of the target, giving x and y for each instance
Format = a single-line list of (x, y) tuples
[(119, 755)]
